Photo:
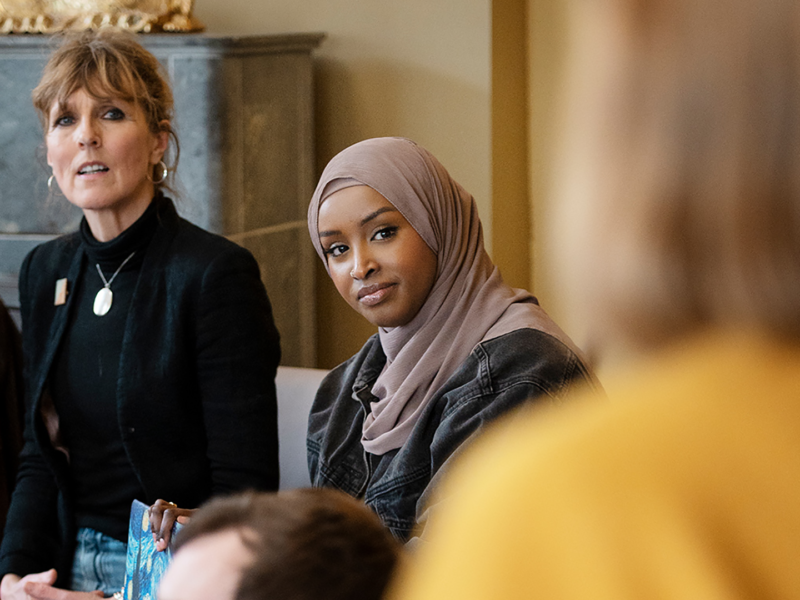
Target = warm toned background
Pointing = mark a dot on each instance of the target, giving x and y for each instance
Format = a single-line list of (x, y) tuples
[(471, 80)]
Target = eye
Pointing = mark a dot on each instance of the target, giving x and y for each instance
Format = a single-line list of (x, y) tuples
[(336, 250), (114, 114), (385, 233), (64, 121)]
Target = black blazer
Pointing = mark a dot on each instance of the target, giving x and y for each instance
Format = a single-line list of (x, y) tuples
[(196, 391), (10, 408)]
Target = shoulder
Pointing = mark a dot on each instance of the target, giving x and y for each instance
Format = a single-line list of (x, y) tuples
[(48, 260), (525, 357), (188, 251), (188, 240), (522, 367), (206, 246), (54, 252)]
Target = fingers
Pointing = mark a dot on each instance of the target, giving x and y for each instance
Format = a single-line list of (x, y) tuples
[(46, 577), (11, 588), (15, 588), (163, 516), (156, 512), (165, 531), (39, 586), (43, 591), (181, 515)]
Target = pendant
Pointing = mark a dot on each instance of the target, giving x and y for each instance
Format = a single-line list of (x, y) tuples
[(102, 302)]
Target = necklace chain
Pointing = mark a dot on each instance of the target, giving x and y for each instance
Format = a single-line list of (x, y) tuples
[(107, 284)]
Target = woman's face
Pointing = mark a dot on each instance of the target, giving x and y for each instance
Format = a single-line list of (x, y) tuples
[(101, 153), (378, 262)]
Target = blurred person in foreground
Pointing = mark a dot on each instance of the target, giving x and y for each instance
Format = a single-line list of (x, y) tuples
[(306, 544), (680, 196)]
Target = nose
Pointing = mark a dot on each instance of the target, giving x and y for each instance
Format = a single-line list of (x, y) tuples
[(87, 133), (364, 264)]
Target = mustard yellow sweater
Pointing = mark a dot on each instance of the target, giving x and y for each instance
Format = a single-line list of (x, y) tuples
[(684, 484)]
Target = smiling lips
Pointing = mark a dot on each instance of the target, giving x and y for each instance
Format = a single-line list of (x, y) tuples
[(92, 168), (373, 294)]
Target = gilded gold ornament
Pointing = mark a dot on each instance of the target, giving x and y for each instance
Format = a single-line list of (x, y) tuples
[(51, 16)]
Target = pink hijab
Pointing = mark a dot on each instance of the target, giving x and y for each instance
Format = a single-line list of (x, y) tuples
[(469, 302)]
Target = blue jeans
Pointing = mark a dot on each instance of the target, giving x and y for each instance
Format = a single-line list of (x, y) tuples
[(99, 562)]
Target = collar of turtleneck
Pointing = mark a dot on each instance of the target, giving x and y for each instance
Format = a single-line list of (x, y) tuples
[(110, 255)]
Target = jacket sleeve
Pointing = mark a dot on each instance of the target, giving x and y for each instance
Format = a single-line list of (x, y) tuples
[(11, 408), (31, 539), (238, 351)]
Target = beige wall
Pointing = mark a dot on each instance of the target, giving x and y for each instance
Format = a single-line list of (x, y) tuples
[(511, 208), (546, 47), (474, 81), (417, 68), (528, 46)]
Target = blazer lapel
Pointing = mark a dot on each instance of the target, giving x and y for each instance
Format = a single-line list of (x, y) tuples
[(59, 323)]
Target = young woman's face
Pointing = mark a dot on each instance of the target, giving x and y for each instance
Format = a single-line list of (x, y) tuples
[(101, 152), (378, 262)]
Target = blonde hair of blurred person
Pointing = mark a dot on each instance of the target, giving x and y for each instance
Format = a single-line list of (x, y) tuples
[(679, 220), (680, 176)]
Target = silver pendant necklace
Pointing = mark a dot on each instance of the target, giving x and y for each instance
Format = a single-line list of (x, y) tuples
[(104, 298)]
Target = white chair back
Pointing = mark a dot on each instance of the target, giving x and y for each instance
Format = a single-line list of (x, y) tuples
[(296, 389)]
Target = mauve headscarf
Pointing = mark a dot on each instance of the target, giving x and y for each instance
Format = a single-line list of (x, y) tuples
[(469, 301)]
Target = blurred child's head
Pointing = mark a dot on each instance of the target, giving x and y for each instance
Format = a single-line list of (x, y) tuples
[(309, 544)]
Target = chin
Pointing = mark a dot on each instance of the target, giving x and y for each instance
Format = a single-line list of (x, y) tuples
[(90, 202), (387, 321), (95, 203), (384, 316), (375, 320)]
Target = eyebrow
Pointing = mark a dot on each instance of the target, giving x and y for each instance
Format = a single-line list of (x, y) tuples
[(364, 221)]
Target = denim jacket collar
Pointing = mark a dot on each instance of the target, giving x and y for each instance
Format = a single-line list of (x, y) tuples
[(370, 369)]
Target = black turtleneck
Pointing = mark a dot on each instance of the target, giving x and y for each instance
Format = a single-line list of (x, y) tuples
[(84, 380)]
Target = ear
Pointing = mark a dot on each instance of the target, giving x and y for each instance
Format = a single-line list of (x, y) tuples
[(160, 143)]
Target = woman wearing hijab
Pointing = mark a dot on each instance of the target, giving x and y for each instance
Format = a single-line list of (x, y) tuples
[(456, 347)]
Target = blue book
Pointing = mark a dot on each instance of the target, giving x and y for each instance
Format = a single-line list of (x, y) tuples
[(144, 564)]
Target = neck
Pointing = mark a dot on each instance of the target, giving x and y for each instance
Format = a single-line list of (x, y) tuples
[(106, 224)]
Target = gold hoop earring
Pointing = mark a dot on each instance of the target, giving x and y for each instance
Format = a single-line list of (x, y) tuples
[(164, 173)]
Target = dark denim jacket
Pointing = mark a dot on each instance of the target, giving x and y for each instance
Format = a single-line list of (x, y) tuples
[(498, 375)]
